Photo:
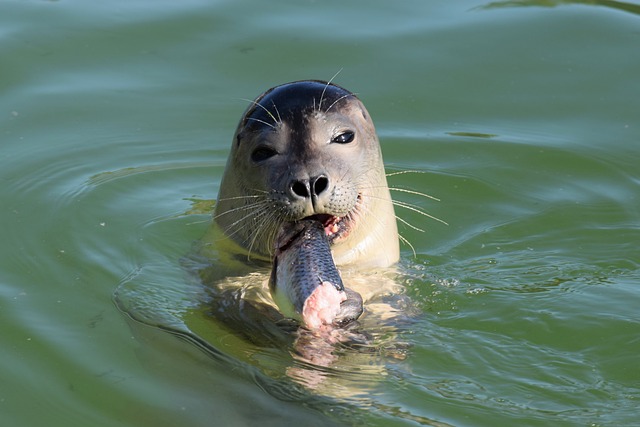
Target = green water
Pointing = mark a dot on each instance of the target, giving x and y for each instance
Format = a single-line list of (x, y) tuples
[(522, 117)]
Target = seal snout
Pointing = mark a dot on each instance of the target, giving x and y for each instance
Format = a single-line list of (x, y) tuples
[(305, 188), (309, 189)]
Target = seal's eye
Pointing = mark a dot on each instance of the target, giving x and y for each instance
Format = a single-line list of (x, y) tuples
[(262, 153), (344, 137)]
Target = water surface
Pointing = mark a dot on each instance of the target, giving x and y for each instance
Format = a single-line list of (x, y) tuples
[(520, 116)]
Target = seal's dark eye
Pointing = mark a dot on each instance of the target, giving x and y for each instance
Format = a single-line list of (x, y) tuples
[(262, 153), (344, 138)]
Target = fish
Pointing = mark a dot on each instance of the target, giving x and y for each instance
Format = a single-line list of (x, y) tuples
[(305, 282)]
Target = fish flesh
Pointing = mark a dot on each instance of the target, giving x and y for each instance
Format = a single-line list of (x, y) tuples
[(305, 282)]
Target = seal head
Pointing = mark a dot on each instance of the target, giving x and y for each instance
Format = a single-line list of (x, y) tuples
[(308, 149)]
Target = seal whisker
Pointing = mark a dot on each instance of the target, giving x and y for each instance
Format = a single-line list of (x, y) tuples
[(269, 233), (409, 206), (400, 236), (232, 230), (360, 207), (325, 89), (406, 242), (416, 209), (263, 217), (404, 190), (264, 108), (402, 172), (240, 197), (408, 224), (249, 241), (262, 121), (253, 208), (279, 121), (417, 193), (413, 192), (404, 204), (338, 100), (253, 205)]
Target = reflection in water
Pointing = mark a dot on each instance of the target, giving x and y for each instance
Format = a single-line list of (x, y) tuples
[(625, 7), (223, 306), (234, 320), (338, 362)]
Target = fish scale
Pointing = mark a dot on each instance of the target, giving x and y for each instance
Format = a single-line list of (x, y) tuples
[(302, 264)]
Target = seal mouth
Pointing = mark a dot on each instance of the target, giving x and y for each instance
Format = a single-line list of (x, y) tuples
[(334, 226), (337, 228)]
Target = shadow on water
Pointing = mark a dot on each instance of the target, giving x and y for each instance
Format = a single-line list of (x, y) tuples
[(617, 5)]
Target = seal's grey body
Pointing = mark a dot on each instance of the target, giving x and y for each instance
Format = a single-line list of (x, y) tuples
[(309, 149)]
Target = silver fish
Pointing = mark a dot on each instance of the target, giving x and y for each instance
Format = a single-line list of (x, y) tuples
[(305, 282)]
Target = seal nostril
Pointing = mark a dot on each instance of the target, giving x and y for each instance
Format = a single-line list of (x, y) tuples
[(320, 184), (300, 188)]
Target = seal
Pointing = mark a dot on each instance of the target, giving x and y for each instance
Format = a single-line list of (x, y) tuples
[(308, 150)]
